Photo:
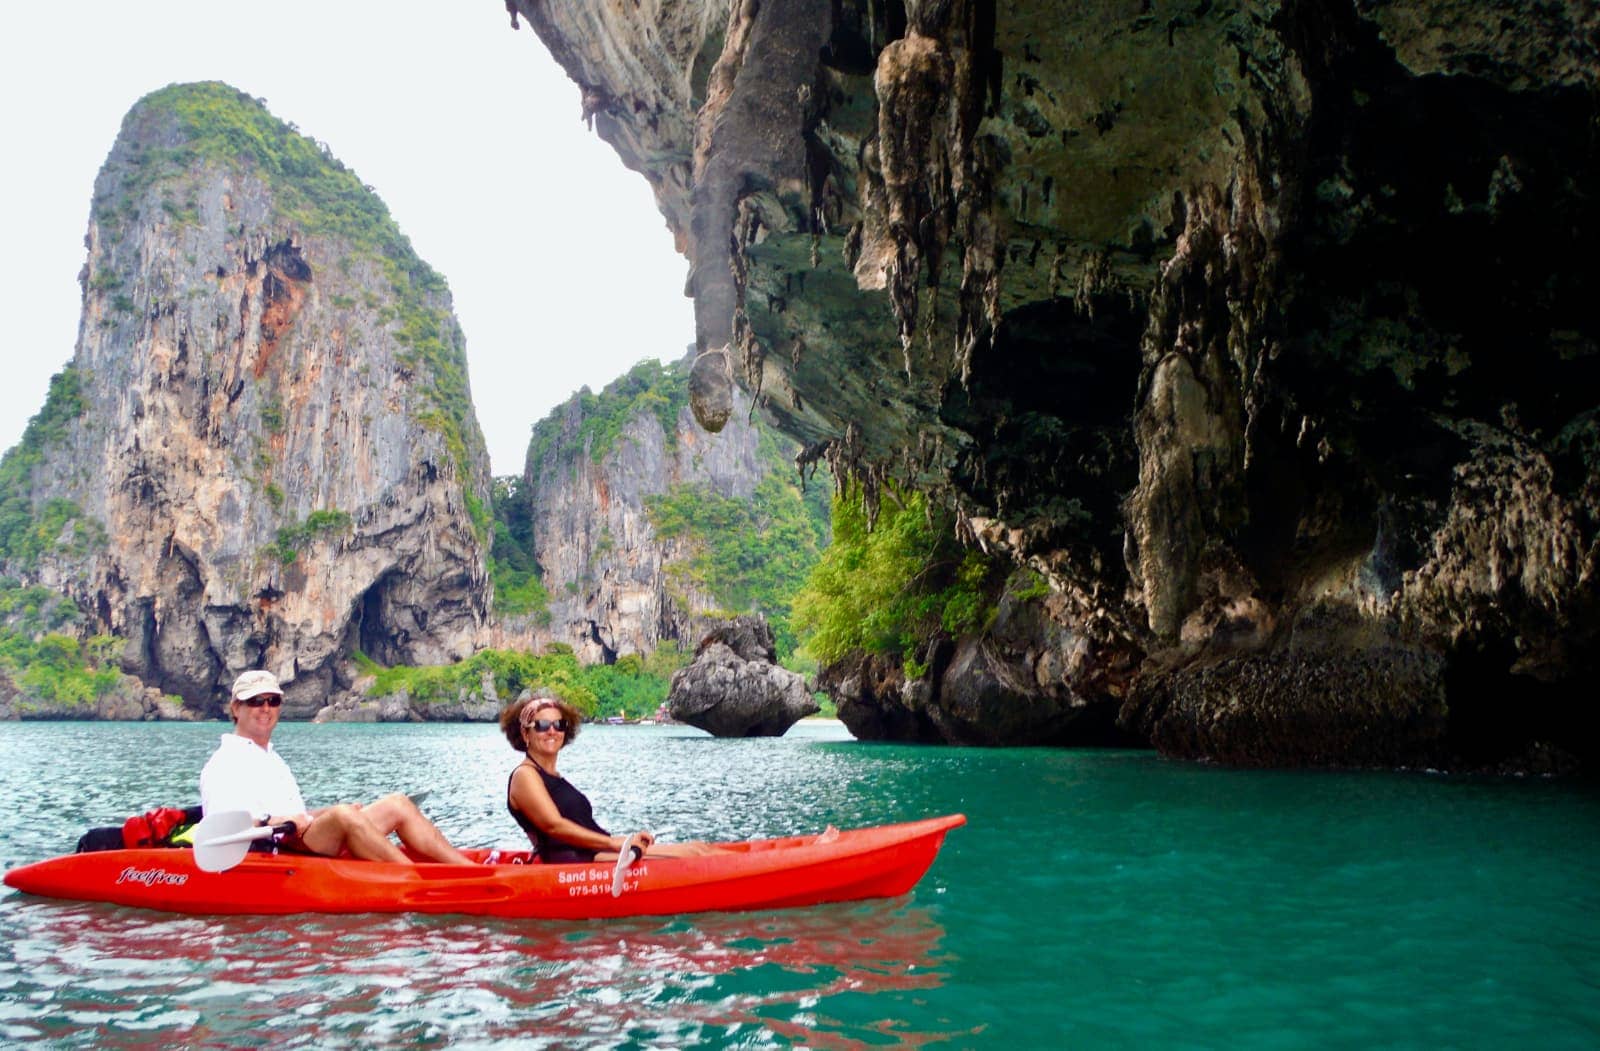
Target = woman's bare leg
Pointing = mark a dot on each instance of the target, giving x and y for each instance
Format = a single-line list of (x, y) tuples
[(693, 849)]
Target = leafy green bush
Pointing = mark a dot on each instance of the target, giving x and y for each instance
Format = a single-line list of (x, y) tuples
[(520, 592), (750, 555), (633, 686), (37, 653), (518, 588), (272, 416), (512, 673), (317, 524), (893, 589), (33, 611), (58, 669), (1027, 584)]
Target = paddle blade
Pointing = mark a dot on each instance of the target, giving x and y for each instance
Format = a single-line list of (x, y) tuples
[(625, 857), (222, 840)]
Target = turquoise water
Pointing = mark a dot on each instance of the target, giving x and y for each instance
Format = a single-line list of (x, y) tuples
[(1095, 899)]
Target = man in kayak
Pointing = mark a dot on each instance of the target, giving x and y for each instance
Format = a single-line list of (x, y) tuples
[(557, 817), (246, 773)]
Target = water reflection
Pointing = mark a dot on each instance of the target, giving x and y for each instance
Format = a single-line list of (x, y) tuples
[(103, 976)]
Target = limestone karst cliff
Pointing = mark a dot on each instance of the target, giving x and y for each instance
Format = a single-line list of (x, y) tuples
[(647, 531), (263, 451), (1264, 330)]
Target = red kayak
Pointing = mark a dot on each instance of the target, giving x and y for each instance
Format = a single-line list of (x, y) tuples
[(783, 873)]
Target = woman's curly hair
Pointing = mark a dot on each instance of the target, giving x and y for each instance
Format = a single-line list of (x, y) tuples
[(511, 718)]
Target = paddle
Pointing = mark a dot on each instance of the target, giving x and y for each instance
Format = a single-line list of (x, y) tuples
[(625, 857), (222, 840)]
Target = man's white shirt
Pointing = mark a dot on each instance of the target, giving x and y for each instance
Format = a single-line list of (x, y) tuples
[(241, 775)]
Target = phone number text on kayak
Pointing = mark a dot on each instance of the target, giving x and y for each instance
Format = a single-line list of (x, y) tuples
[(584, 890), (597, 880)]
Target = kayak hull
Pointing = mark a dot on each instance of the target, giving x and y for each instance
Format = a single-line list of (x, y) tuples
[(796, 871)]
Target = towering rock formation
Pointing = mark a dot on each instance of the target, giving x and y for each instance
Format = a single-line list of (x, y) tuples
[(263, 453), (621, 580), (1264, 330)]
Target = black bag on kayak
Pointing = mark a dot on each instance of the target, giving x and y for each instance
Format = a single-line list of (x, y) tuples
[(160, 827), (100, 839)]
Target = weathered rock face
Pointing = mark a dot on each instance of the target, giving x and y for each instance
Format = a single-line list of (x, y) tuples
[(1263, 331), (1028, 678), (272, 432), (613, 589), (734, 686)]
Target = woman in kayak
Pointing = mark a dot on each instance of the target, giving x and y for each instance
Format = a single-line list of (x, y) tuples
[(556, 816)]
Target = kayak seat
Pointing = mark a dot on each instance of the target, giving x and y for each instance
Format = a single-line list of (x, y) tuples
[(502, 857)]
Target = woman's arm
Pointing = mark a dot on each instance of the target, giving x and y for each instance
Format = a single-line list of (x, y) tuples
[(529, 796)]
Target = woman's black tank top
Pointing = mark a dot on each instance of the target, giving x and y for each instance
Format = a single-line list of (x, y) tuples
[(573, 805)]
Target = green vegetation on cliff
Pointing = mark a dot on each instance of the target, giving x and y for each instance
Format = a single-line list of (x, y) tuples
[(318, 524), (518, 589), (60, 670), (650, 386), (314, 193), (34, 611), (894, 588), (750, 555), (633, 686), (26, 533), (44, 662)]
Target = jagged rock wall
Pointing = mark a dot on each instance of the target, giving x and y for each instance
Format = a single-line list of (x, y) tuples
[(611, 579), (242, 376), (1262, 330)]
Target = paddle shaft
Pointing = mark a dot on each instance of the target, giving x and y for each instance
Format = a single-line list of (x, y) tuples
[(263, 831), (248, 834)]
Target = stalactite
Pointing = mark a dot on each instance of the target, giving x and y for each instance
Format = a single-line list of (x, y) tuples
[(1094, 277)]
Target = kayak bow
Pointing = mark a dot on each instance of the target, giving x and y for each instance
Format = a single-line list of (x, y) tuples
[(791, 872)]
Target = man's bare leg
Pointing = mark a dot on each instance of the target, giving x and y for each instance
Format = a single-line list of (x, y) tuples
[(398, 814), (344, 827)]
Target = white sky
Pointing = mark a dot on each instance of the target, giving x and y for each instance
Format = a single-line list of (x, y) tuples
[(562, 270)]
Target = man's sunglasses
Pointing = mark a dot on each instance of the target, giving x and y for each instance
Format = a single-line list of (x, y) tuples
[(272, 700), (545, 725)]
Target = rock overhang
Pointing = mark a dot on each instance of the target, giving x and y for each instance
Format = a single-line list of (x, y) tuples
[(1223, 316)]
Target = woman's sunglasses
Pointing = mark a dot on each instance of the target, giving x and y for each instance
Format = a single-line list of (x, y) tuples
[(271, 700), (545, 725)]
